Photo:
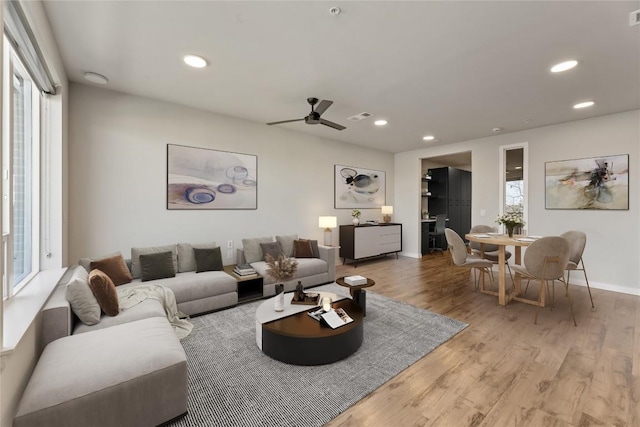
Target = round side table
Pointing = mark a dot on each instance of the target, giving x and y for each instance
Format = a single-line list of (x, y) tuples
[(358, 294)]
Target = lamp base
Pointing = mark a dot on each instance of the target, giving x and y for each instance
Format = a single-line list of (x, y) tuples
[(386, 218), (327, 237)]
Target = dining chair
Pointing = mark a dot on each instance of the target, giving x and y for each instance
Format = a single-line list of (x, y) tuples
[(488, 251), (438, 231), (461, 258), (577, 242), (546, 260)]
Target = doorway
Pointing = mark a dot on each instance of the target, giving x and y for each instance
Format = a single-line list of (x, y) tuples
[(445, 189)]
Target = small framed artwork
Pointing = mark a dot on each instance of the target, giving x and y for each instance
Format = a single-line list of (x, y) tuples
[(592, 183), (358, 188), (201, 178)]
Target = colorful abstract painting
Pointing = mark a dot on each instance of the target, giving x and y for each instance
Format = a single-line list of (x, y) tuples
[(357, 188), (200, 178), (592, 183)]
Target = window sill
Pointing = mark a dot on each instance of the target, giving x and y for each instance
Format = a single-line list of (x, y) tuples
[(20, 311)]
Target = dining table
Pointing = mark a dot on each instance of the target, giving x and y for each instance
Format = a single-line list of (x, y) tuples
[(502, 241)]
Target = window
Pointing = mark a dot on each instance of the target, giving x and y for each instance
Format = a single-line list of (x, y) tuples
[(513, 170), (20, 174)]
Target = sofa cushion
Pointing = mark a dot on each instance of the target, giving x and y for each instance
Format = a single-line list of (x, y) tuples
[(83, 303), (114, 267), (208, 259), (126, 375), (306, 267), (286, 242), (186, 258), (146, 309), (192, 286), (157, 266), (252, 249), (105, 292), (272, 249), (136, 272)]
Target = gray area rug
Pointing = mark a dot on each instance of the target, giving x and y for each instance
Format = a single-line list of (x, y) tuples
[(232, 383)]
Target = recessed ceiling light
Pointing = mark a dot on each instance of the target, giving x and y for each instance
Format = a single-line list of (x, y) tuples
[(380, 122), (195, 61), (564, 66), (96, 78), (428, 138), (583, 104)]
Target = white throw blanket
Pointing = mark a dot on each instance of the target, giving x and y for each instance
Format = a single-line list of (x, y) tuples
[(129, 297)]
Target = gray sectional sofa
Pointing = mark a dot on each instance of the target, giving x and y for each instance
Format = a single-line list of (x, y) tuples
[(134, 361)]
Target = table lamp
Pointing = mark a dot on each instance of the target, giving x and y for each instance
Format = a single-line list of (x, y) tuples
[(387, 211), (327, 222)]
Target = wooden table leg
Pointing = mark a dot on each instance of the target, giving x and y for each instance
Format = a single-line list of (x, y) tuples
[(502, 297), (517, 259)]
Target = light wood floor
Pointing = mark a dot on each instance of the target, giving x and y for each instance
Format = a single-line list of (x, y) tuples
[(503, 370)]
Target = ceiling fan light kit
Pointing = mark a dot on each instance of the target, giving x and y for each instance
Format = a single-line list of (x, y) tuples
[(314, 116)]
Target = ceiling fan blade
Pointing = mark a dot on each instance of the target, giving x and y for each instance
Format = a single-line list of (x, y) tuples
[(323, 105), (285, 121), (331, 124)]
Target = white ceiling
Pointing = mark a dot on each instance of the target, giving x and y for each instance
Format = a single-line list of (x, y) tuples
[(452, 69)]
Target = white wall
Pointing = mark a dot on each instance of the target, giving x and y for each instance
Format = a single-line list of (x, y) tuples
[(117, 174), (613, 237)]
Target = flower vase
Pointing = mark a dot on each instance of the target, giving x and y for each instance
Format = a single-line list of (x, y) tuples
[(355, 221), (510, 231), (279, 300)]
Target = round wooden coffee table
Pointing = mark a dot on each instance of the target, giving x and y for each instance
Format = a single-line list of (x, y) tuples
[(358, 294), (292, 336)]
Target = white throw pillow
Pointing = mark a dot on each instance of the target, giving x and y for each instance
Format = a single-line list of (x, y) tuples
[(82, 301)]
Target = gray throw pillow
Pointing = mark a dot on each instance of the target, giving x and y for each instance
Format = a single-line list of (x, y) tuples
[(136, 252), (186, 258), (208, 259), (157, 266), (274, 249)]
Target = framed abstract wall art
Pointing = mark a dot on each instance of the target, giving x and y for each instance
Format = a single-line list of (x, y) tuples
[(200, 178), (591, 183), (357, 188)]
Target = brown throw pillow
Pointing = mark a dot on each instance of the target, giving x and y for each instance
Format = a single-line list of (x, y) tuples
[(208, 259), (302, 248), (115, 268), (274, 249), (105, 292), (157, 266)]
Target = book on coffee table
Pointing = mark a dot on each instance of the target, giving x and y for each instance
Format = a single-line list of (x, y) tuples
[(334, 318)]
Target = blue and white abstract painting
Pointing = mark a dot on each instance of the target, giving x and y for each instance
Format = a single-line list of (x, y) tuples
[(200, 178)]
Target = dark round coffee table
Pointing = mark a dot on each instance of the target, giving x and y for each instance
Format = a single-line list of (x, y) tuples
[(299, 339)]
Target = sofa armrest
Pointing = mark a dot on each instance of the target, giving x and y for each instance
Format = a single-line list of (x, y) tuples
[(57, 317), (328, 254)]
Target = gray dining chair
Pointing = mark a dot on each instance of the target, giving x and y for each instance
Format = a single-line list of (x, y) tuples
[(546, 260), (488, 251), (461, 258), (577, 242)]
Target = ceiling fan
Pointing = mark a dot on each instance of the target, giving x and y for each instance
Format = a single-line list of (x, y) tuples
[(314, 116)]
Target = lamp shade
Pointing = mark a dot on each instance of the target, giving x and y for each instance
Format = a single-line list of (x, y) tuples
[(327, 222), (387, 210)]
